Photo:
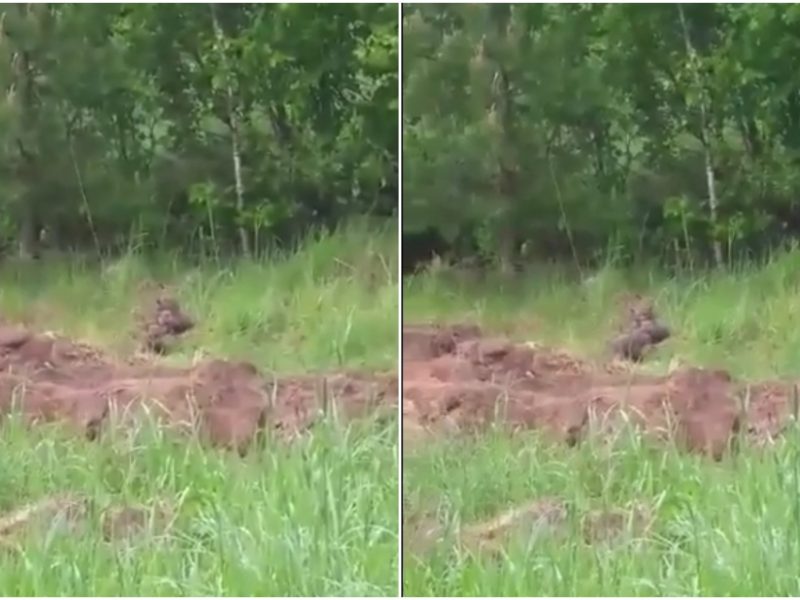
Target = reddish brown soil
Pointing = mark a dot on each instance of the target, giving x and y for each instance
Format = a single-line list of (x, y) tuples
[(456, 379), (227, 403)]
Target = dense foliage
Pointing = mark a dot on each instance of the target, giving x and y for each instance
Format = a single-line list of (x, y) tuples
[(226, 126), (585, 130)]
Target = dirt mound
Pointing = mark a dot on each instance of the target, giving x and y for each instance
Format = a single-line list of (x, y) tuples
[(455, 380), (47, 378), (422, 342)]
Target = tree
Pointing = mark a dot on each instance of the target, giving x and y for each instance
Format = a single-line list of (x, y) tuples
[(664, 130), (236, 126)]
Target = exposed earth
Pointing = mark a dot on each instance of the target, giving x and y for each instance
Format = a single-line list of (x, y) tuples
[(48, 378), (457, 379)]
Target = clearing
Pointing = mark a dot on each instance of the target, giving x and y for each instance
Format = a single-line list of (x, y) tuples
[(255, 453), (536, 462)]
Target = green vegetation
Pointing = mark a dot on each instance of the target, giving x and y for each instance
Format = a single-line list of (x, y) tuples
[(317, 516), (327, 305), (578, 131), (246, 156), (742, 319), (599, 150), (206, 128), (728, 528)]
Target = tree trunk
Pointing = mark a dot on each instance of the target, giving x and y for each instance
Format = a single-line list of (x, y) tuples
[(237, 173), (705, 139), (507, 168), (79, 180), (28, 231), (507, 245), (233, 124), (29, 226)]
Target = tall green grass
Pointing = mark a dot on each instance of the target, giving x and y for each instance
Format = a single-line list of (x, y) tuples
[(743, 319), (729, 528), (317, 516), (331, 303)]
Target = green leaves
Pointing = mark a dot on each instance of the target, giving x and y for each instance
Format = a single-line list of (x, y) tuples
[(597, 111), (143, 91)]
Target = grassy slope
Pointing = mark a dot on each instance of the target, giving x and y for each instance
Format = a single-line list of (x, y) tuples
[(722, 529), (318, 517)]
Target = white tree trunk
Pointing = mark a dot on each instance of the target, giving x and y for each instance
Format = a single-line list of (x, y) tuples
[(705, 139), (29, 222), (712, 200), (233, 123), (237, 171)]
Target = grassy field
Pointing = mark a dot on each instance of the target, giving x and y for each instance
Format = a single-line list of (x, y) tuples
[(729, 528), (314, 517)]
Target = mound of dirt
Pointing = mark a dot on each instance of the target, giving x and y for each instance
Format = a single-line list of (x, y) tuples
[(430, 341), (455, 379), (47, 378)]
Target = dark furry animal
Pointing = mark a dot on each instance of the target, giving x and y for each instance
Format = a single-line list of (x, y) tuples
[(657, 332), (646, 331), (169, 321), (631, 346), (171, 317)]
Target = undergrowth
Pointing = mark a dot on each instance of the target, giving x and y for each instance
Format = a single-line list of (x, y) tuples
[(313, 517), (331, 303), (742, 319), (727, 528)]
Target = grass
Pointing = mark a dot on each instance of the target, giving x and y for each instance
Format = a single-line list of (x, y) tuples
[(315, 517), (728, 528), (330, 304)]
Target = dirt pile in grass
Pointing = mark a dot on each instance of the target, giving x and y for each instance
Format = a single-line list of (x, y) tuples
[(48, 378), (455, 379)]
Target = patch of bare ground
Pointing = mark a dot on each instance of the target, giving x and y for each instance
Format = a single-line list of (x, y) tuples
[(456, 379), (49, 378)]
